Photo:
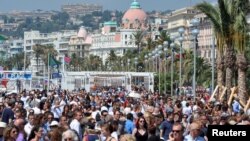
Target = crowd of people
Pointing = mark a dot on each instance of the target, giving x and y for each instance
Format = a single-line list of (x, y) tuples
[(111, 115)]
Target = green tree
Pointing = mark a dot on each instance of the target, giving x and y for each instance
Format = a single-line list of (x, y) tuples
[(38, 52), (213, 13), (138, 37), (163, 37), (240, 38), (111, 60), (95, 63), (229, 20)]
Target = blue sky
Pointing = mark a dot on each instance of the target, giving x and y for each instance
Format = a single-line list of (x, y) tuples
[(148, 5)]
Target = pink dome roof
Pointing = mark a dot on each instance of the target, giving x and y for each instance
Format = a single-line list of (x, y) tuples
[(82, 33), (134, 16)]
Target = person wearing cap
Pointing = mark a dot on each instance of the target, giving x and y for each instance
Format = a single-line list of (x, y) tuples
[(54, 124), (166, 126), (2, 126)]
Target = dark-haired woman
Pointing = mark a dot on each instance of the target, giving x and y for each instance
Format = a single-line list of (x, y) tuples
[(36, 133), (140, 132)]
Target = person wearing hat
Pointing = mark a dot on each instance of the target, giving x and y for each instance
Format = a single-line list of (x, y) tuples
[(2, 126), (53, 125)]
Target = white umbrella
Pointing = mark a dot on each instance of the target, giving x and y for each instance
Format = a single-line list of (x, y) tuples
[(134, 95)]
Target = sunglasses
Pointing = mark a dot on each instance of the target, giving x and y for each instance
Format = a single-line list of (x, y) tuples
[(176, 131), (142, 121)]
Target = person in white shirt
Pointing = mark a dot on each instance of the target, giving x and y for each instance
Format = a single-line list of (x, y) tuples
[(28, 126), (76, 125), (56, 109), (187, 110)]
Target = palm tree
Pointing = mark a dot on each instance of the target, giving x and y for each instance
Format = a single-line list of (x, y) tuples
[(48, 50), (18, 61), (214, 13), (111, 60), (138, 36), (227, 18), (95, 62), (150, 43), (38, 52), (241, 8), (163, 37), (231, 20), (74, 62)]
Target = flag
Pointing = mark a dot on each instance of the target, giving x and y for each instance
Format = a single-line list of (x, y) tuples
[(178, 56), (2, 38), (53, 62), (67, 59)]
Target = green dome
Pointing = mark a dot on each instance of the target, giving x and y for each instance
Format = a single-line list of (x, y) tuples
[(110, 23), (135, 5)]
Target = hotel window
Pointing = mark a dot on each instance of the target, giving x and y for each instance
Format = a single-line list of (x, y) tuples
[(125, 36)]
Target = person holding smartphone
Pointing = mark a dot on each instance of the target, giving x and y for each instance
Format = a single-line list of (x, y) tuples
[(177, 132)]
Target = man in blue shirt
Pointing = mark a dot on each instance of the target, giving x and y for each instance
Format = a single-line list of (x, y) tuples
[(166, 126), (8, 114), (129, 125), (236, 105)]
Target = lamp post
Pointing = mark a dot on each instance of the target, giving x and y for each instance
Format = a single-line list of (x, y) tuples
[(146, 63), (128, 65), (136, 62), (149, 58), (172, 67), (159, 65), (181, 31), (213, 57), (195, 32), (165, 44)]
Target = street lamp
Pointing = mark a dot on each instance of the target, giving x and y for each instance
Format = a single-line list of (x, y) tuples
[(165, 44), (128, 64), (159, 66), (146, 61), (195, 32), (172, 45), (136, 62), (181, 31), (149, 62)]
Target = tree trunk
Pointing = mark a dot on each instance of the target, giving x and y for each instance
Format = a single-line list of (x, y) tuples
[(230, 62), (220, 68), (242, 68)]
